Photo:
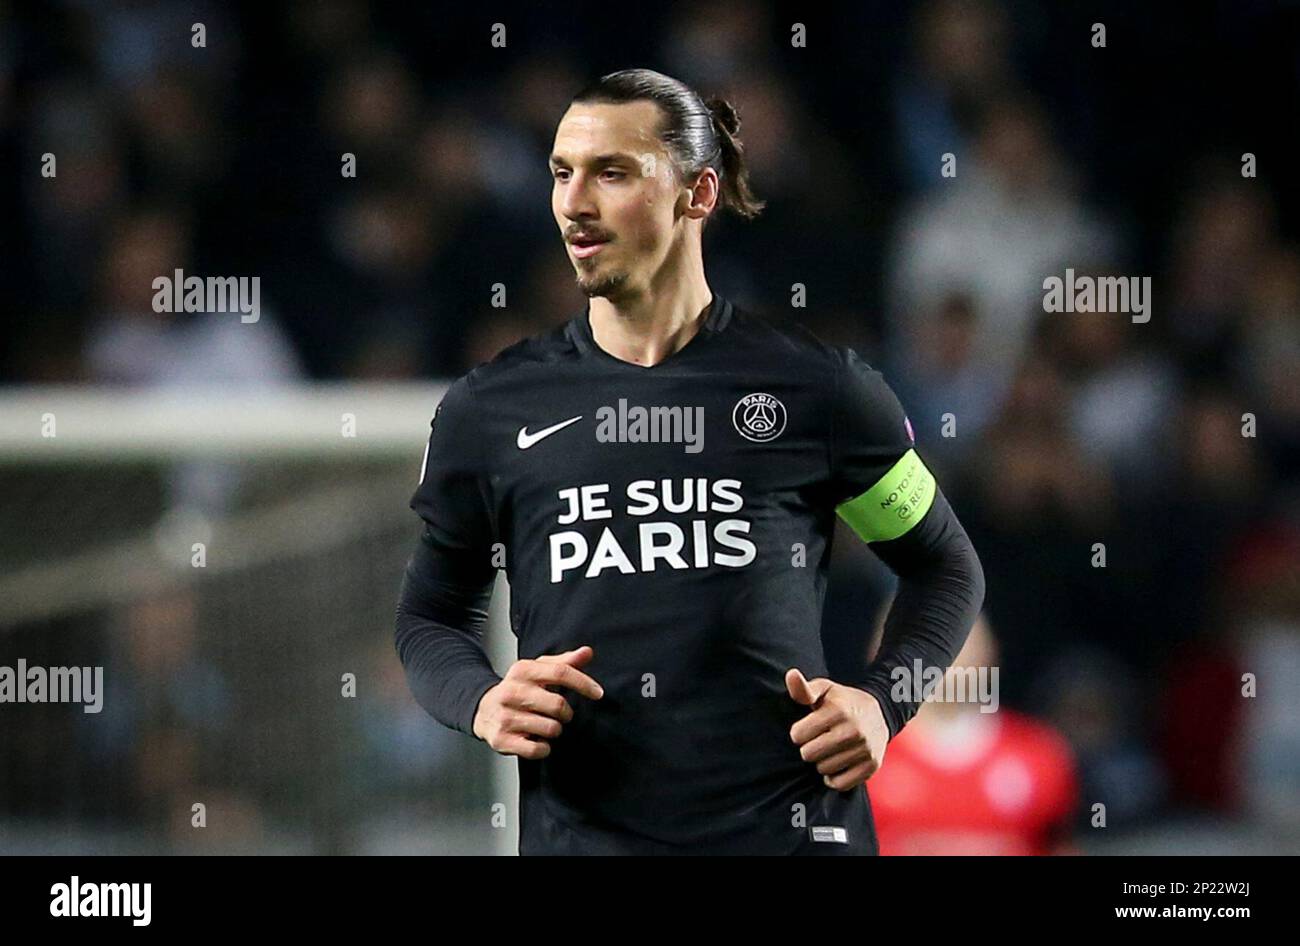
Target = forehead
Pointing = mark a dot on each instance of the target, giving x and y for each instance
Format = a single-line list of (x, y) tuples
[(587, 130)]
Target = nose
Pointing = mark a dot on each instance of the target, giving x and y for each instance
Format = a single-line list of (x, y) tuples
[(575, 199)]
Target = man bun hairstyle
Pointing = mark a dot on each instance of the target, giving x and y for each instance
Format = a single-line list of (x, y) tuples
[(697, 133)]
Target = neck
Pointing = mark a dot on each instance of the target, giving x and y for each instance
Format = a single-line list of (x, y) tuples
[(647, 327)]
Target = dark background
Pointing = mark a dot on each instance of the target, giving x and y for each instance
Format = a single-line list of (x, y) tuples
[(1072, 429)]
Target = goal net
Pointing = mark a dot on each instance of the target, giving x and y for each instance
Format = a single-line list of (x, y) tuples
[(229, 564)]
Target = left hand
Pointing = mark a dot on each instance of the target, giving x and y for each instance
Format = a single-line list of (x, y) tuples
[(845, 732)]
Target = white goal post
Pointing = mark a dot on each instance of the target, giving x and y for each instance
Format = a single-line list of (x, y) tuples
[(333, 466)]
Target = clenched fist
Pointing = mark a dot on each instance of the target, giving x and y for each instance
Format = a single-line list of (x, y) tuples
[(845, 733), (519, 715)]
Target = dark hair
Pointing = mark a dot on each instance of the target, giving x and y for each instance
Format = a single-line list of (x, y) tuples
[(698, 133)]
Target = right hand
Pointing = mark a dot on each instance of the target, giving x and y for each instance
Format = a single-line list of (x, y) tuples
[(519, 715)]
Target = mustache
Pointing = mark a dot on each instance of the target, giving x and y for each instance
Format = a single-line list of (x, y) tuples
[(587, 233)]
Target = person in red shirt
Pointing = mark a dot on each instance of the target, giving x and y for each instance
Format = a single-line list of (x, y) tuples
[(958, 780)]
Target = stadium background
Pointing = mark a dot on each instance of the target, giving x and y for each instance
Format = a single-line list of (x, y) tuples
[(224, 681)]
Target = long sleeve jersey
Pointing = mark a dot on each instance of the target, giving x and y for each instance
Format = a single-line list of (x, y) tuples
[(678, 518)]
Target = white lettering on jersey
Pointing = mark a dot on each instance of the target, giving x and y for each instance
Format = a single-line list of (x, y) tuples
[(676, 544)]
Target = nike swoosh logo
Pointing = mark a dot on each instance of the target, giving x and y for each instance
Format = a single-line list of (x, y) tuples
[(526, 440)]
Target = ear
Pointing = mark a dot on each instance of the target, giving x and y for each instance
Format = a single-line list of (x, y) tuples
[(702, 196)]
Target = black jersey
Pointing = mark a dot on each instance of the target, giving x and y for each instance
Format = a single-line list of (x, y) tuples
[(678, 519)]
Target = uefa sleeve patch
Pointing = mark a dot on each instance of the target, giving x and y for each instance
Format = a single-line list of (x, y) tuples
[(898, 501)]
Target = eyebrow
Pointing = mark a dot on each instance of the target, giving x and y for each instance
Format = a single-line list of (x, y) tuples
[(599, 159)]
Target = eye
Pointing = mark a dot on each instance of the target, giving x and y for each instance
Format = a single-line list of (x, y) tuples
[(561, 174), (613, 174)]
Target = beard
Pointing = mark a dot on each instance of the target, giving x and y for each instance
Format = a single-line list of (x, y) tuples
[(608, 285)]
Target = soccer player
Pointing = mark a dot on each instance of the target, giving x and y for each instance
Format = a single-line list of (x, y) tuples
[(964, 781), (662, 475)]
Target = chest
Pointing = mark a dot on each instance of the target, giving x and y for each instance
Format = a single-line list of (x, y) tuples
[(667, 473)]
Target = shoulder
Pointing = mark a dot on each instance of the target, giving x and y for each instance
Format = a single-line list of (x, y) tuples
[(800, 347), (855, 392), (789, 339)]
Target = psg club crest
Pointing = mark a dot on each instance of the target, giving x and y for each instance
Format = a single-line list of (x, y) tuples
[(759, 417)]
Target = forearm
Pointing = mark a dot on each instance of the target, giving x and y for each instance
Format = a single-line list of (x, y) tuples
[(440, 619), (940, 593)]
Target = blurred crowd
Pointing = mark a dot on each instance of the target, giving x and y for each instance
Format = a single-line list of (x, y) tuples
[(1131, 486)]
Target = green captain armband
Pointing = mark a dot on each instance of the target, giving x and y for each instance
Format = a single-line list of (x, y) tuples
[(898, 501)]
